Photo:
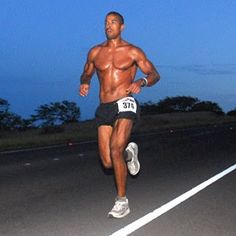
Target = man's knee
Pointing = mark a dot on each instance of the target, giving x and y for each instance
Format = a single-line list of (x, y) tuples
[(107, 163), (117, 151)]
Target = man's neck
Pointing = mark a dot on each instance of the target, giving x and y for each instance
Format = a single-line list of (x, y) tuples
[(114, 42)]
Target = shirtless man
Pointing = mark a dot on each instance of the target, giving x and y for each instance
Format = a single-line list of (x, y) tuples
[(116, 62)]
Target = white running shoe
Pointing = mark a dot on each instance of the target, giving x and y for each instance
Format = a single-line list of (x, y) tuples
[(120, 209), (133, 162)]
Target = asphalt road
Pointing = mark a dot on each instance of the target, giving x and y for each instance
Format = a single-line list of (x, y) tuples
[(64, 191)]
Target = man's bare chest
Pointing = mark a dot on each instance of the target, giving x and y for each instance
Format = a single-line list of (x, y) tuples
[(108, 59)]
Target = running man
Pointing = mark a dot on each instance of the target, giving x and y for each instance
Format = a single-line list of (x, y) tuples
[(116, 62)]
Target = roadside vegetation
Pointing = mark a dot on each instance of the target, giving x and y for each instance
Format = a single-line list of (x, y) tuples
[(59, 122)]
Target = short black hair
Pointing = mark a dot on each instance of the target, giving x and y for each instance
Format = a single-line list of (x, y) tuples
[(121, 18)]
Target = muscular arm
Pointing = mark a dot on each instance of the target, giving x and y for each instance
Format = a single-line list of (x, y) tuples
[(147, 68), (87, 74)]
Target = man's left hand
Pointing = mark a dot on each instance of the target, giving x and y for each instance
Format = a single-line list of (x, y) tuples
[(135, 87)]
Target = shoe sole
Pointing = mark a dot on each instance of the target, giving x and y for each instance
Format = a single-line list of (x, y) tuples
[(135, 148), (113, 215)]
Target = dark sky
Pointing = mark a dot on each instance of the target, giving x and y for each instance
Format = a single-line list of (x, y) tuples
[(43, 47)]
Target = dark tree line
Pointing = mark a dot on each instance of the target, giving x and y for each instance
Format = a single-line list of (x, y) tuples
[(47, 115), (180, 104), (55, 114), (9, 120)]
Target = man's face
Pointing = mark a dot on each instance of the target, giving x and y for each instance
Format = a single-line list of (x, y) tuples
[(113, 27)]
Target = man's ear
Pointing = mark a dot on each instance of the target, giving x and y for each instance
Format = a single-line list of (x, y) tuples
[(122, 27)]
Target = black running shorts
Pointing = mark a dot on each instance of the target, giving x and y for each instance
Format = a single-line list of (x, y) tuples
[(108, 113)]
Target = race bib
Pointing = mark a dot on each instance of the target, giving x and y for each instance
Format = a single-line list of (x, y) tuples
[(127, 104)]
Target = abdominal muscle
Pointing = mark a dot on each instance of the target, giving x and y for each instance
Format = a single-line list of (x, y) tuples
[(113, 95), (113, 88)]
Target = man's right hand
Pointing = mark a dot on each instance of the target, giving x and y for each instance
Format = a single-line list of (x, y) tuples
[(83, 90)]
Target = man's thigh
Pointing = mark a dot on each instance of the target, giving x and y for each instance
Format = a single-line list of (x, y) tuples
[(121, 132)]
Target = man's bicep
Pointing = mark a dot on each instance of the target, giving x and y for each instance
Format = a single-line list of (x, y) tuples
[(89, 68), (87, 73), (145, 66), (142, 61)]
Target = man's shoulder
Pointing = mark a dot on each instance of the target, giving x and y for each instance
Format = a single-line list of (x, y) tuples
[(133, 49), (95, 50), (131, 46), (99, 46)]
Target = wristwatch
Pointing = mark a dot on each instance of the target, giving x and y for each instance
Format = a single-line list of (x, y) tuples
[(144, 82)]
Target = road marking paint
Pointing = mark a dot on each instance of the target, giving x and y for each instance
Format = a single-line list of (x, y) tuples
[(168, 206), (27, 164)]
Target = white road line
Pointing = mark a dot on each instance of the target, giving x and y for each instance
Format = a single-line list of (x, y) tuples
[(168, 206), (27, 164)]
